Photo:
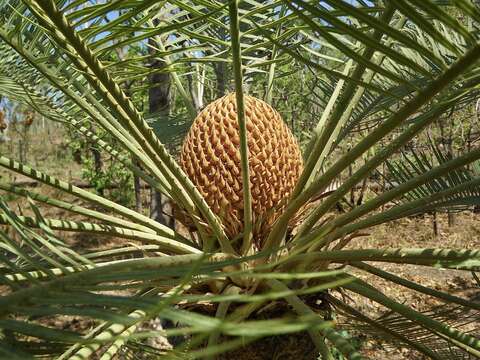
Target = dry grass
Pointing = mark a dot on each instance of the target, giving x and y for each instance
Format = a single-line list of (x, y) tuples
[(46, 150)]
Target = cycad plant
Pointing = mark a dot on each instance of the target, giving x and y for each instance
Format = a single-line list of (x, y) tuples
[(390, 68)]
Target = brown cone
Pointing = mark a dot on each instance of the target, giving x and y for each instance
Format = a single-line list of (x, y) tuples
[(211, 158)]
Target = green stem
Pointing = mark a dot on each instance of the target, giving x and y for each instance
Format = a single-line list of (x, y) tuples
[(417, 287), (423, 349), (301, 196), (320, 141), (467, 342), (242, 124), (24, 295), (74, 208), (176, 79), (302, 309), (323, 120), (380, 132), (422, 205), (271, 71), (66, 225), (345, 224), (368, 77), (130, 118), (93, 108), (446, 258), (86, 195), (221, 314)]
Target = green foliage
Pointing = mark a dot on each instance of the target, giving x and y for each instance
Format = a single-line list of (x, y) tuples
[(113, 176), (365, 80), (356, 342), (106, 175)]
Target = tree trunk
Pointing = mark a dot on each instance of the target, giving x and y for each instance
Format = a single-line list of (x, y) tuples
[(451, 215), (435, 224), (451, 219), (137, 186), (97, 161), (159, 106), (137, 183), (195, 81), (220, 69), (161, 209)]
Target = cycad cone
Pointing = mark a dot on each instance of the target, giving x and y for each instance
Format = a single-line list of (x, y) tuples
[(211, 158)]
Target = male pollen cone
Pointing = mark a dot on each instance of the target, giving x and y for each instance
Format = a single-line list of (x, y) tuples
[(211, 158)]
